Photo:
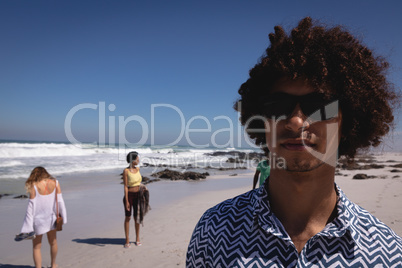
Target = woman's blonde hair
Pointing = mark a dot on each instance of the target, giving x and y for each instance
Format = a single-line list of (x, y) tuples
[(37, 174)]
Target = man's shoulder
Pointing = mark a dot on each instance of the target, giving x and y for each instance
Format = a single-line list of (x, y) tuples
[(238, 205), (370, 228)]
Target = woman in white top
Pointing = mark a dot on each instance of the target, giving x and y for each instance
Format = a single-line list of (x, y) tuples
[(41, 212)]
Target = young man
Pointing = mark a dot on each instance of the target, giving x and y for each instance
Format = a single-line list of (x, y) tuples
[(317, 94)]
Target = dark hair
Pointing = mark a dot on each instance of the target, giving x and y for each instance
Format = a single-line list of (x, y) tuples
[(335, 63), (131, 156)]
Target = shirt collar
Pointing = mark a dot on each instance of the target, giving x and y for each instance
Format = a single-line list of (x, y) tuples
[(264, 216), (347, 217), (344, 223)]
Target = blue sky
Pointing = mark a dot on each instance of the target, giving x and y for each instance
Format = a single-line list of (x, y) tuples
[(192, 55)]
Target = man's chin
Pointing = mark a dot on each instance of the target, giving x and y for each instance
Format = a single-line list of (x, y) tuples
[(302, 165)]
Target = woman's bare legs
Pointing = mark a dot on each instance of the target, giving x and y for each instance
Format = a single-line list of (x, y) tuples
[(127, 229), (37, 256), (137, 231), (51, 237)]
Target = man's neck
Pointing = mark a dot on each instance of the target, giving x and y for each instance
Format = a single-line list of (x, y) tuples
[(304, 202)]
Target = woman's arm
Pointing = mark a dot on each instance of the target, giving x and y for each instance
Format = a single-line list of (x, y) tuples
[(32, 193), (27, 226), (61, 204), (58, 189), (126, 188)]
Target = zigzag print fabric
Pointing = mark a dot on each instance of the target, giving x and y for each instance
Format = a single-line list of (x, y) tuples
[(243, 232)]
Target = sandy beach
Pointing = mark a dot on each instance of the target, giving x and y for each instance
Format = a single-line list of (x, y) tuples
[(94, 236)]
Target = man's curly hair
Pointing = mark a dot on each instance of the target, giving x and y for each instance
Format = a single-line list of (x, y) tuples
[(334, 63)]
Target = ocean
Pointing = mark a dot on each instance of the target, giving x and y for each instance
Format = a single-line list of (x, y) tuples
[(18, 158)]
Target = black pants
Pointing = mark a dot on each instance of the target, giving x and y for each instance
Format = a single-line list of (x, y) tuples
[(133, 200)]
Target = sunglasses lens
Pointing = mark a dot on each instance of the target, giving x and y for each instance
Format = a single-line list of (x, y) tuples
[(309, 108), (320, 110), (315, 116), (331, 110), (314, 106), (279, 108)]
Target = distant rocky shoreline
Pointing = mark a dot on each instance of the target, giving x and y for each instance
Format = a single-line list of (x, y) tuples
[(366, 162), (238, 160), (360, 162)]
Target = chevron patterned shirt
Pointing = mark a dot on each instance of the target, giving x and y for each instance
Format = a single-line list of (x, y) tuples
[(243, 232)]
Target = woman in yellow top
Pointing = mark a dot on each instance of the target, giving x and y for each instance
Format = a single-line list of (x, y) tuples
[(132, 180)]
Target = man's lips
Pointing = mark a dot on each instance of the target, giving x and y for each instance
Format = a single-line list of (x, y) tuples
[(296, 144)]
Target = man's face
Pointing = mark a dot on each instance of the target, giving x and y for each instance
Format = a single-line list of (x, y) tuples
[(304, 141)]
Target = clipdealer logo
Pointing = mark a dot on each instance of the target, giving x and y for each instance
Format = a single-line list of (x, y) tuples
[(234, 132), (329, 156)]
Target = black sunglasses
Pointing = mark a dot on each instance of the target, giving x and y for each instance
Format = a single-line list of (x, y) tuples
[(315, 106)]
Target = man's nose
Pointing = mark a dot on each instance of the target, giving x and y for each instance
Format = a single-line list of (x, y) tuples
[(297, 121)]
